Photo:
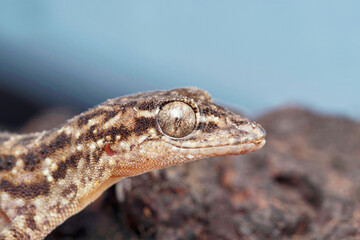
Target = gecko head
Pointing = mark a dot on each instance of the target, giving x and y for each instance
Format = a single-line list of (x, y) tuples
[(173, 127)]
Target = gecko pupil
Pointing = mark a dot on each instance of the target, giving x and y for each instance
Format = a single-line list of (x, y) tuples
[(177, 119)]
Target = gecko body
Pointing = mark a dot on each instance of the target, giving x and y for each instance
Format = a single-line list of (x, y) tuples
[(47, 177)]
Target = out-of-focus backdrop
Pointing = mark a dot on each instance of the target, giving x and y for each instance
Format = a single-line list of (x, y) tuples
[(58, 58), (253, 55)]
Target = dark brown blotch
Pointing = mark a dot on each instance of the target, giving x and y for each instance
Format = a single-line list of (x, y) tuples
[(71, 189), (148, 105), (210, 127), (118, 131), (142, 124), (109, 115), (60, 172), (7, 162), (31, 160), (70, 162), (30, 222), (90, 135), (121, 131), (208, 111), (73, 160), (25, 191), (61, 141), (43, 152)]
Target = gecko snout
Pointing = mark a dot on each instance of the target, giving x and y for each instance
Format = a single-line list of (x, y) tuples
[(258, 134), (256, 137), (251, 132)]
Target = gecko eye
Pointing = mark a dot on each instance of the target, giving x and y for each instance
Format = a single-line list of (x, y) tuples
[(177, 119)]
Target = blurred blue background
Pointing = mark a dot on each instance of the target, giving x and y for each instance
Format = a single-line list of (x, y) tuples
[(254, 55)]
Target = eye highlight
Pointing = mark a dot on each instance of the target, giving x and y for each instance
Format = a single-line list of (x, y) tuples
[(177, 119)]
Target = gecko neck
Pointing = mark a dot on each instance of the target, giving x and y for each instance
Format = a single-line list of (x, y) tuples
[(47, 164)]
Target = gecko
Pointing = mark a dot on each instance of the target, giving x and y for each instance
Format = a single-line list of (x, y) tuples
[(47, 177)]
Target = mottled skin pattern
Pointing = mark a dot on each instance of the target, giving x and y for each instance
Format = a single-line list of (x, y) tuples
[(49, 176)]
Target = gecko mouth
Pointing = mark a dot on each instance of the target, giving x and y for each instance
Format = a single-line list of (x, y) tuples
[(236, 149), (221, 150)]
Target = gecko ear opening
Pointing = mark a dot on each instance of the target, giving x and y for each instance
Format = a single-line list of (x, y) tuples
[(177, 119), (108, 150)]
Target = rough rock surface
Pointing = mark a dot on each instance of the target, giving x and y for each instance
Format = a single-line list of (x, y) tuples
[(304, 184)]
